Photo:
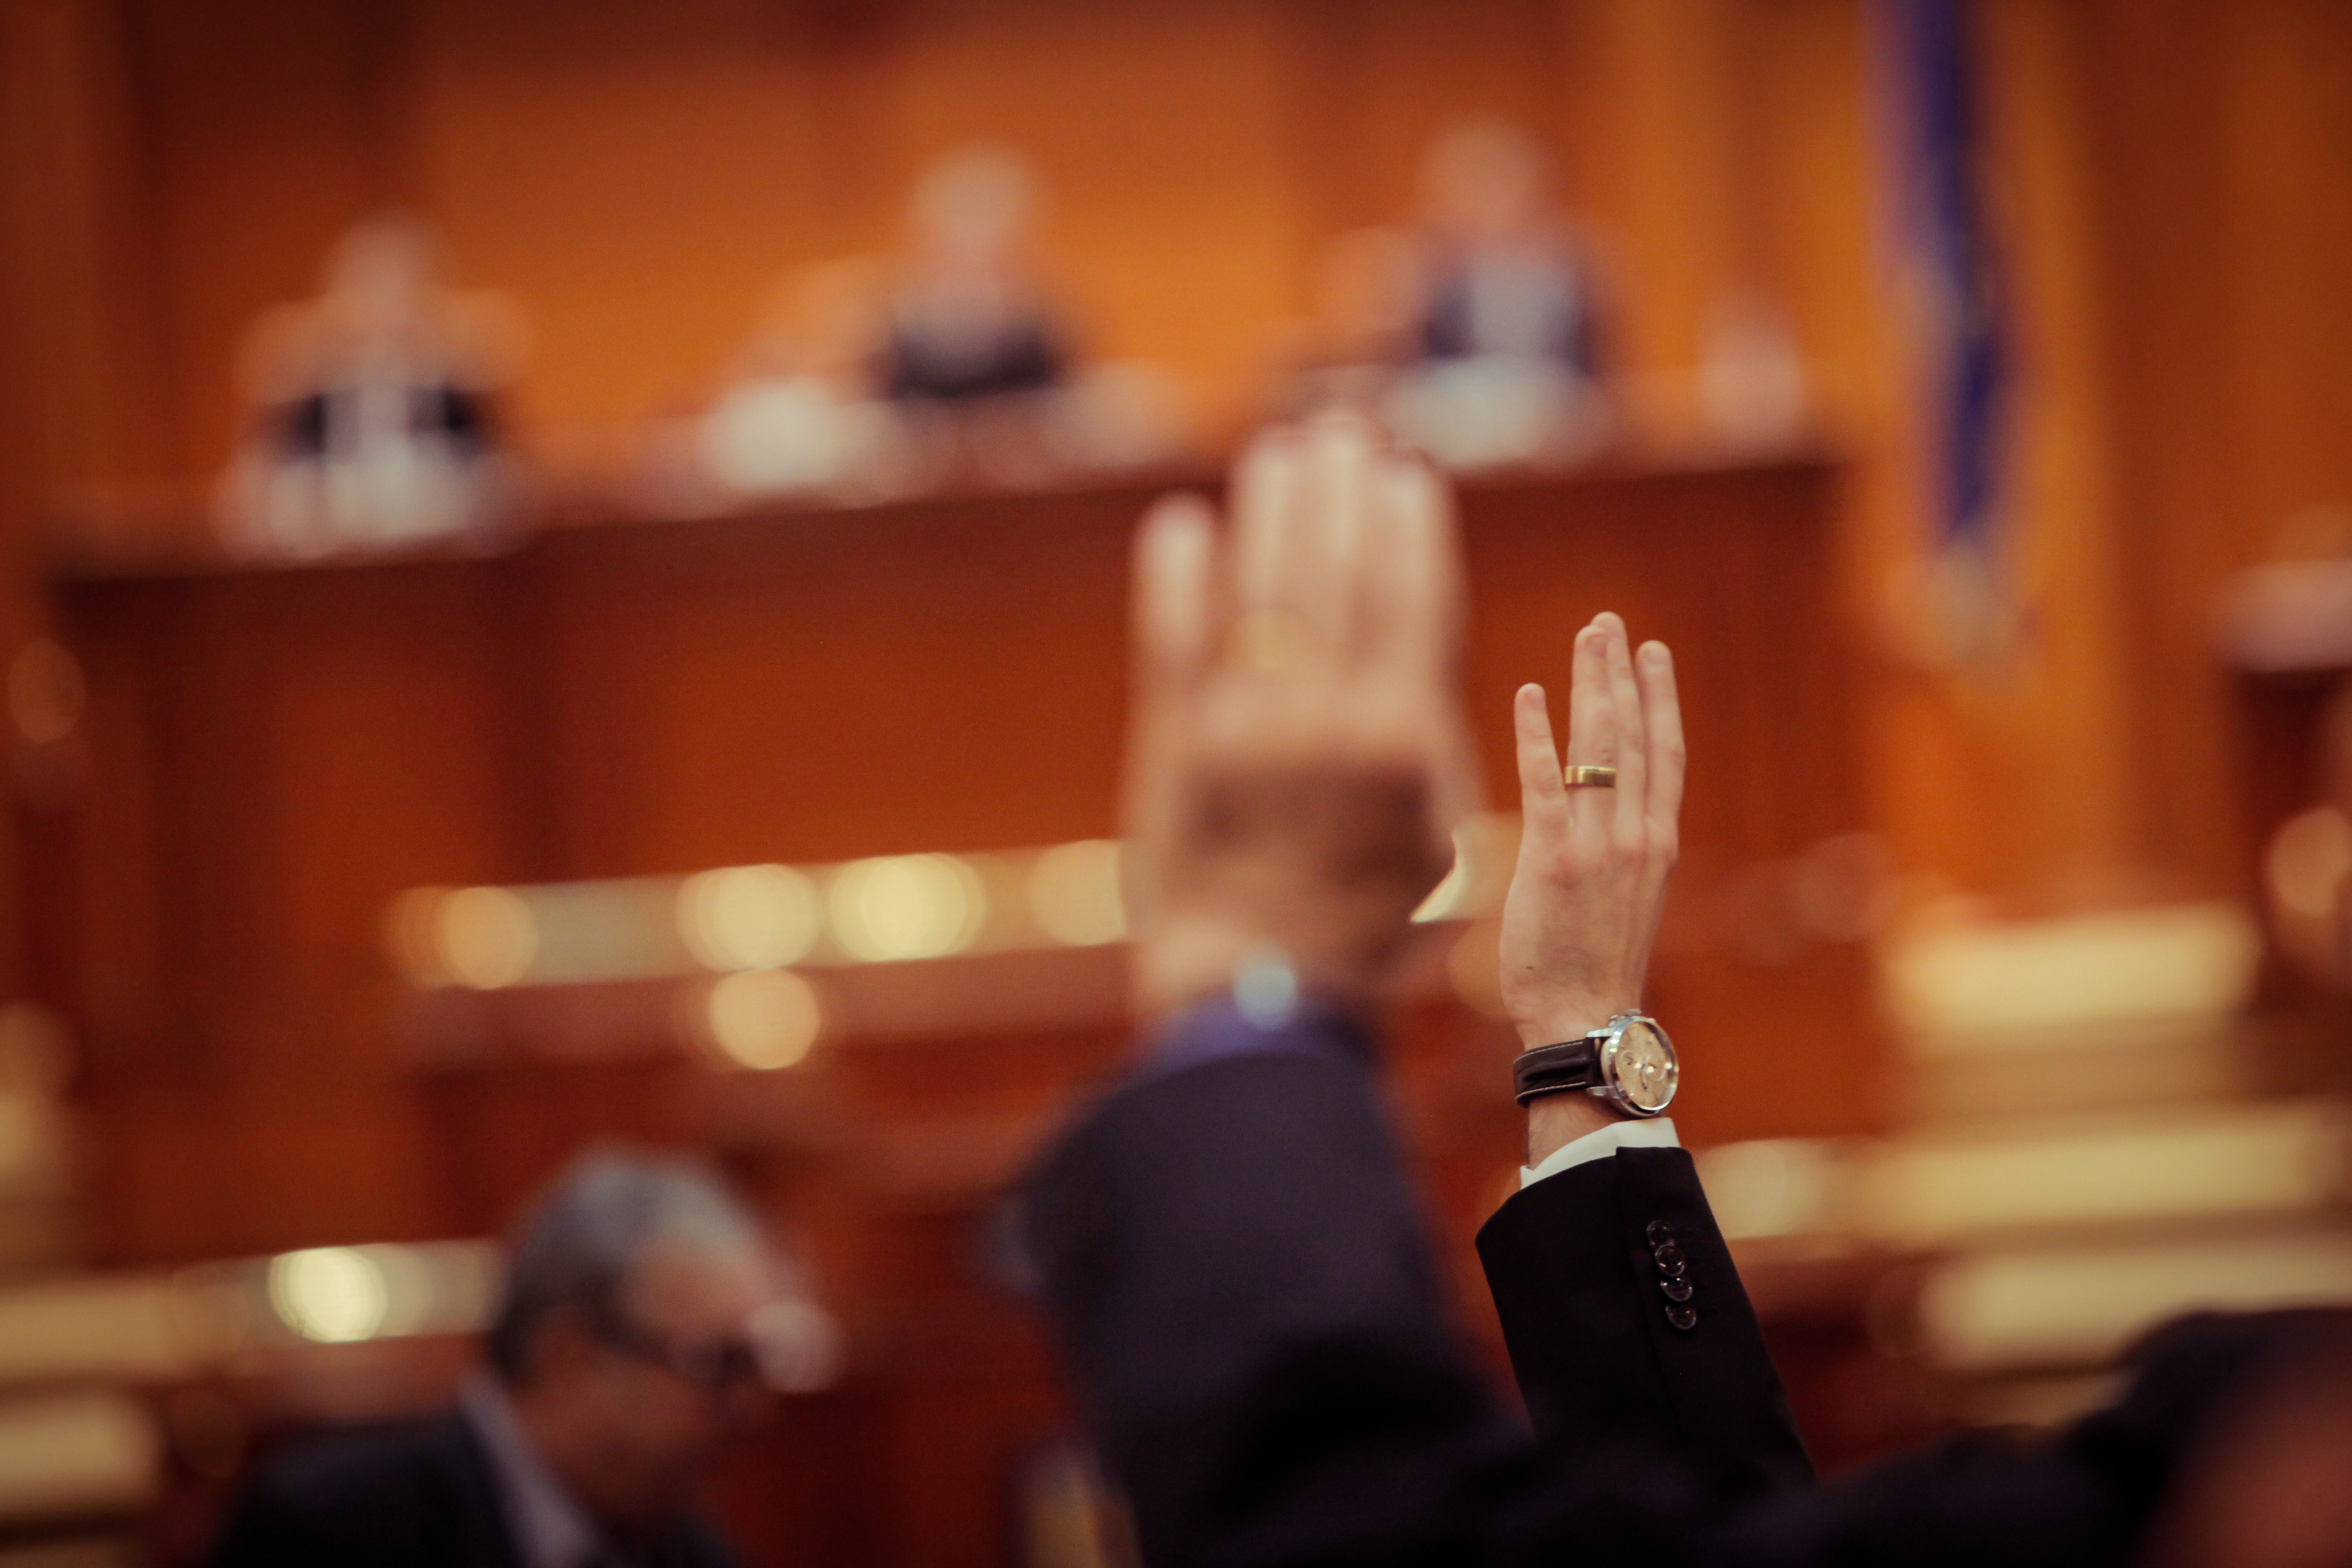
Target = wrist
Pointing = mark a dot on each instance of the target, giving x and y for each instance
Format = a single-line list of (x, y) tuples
[(1558, 1119), (1569, 1019)]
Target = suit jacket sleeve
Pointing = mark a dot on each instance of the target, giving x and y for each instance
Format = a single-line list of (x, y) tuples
[(381, 1497), (264, 1532), (1625, 1319), (1256, 1328)]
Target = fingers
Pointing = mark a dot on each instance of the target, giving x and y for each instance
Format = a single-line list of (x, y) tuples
[(1662, 716), (1302, 505), (1628, 803), (1174, 553), (1591, 732), (1175, 568), (1543, 798), (1325, 543), (1411, 609), (1266, 479), (1409, 626), (1344, 553)]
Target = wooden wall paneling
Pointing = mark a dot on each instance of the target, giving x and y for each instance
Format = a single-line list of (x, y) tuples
[(307, 744), (2287, 136), (94, 913), (1372, 81), (2058, 696), (639, 181), (81, 393), (522, 680), (800, 1494), (960, 1448), (499, 1130), (2157, 82), (266, 128), (822, 686), (1666, 186), (638, 177), (77, 403)]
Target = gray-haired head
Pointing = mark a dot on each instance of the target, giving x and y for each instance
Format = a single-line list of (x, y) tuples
[(578, 1245)]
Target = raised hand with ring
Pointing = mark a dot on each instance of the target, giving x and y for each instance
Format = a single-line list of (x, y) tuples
[(1597, 841)]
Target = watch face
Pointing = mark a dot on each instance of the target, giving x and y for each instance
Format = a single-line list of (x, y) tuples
[(1644, 1066)]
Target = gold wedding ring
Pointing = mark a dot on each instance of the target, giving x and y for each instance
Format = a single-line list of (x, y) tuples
[(1584, 775)]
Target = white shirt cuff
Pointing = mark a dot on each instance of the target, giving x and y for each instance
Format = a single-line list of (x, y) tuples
[(1657, 1132)]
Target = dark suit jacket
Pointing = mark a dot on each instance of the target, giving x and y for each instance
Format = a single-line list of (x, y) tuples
[(1255, 1324), (407, 1496)]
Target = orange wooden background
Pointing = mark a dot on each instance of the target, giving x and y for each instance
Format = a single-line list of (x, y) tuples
[(2172, 180)]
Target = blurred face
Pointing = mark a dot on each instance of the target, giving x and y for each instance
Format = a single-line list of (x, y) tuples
[(1484, 182), (381, 278), (632, 1421), (971, 209)]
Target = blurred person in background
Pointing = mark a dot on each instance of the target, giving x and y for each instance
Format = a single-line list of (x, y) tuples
[(645, 1325), (977, 354), (970, 316), (874, 379), (1504, 276), (1506, 327), (1230, 1246), (374, 406)]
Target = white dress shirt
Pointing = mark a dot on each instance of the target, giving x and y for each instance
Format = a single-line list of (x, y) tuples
[(1656, 1133)]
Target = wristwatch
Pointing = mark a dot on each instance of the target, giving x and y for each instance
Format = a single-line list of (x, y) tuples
[(1629, 1062)]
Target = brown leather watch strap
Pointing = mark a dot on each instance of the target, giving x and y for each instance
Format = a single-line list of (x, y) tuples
[(1555, 1069)]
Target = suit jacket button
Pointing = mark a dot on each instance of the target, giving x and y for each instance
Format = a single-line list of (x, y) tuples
[(1675, 1290), (1670, 1259), (1658, 1231), (1682, 1318)]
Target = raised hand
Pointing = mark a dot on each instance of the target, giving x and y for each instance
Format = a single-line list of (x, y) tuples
[(1297, 756), (1583, 908)]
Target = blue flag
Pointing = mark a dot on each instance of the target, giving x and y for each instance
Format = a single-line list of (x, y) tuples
[(1955, 276)]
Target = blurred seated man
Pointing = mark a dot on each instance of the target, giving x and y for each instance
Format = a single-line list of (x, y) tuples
[(977, 358), (1504, 276), (969, 317), (1506, 328), (374, 419), (645, 1325), (1253, 1319)]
